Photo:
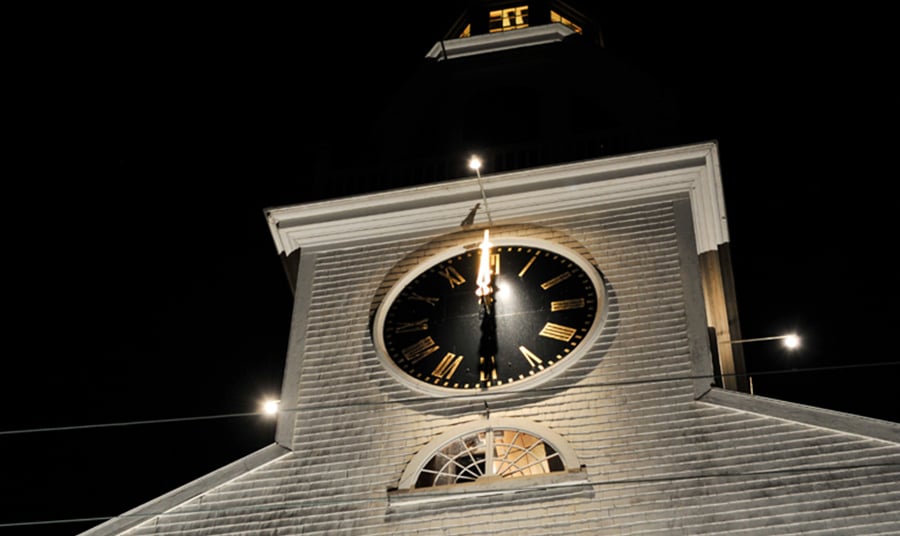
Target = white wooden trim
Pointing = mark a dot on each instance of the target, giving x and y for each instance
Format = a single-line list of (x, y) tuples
[(531, 193), (449, 49)]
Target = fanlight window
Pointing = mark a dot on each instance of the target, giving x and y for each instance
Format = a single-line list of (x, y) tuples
[(491, 453)]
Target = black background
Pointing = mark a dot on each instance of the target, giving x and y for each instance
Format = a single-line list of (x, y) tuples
[(141, 281)]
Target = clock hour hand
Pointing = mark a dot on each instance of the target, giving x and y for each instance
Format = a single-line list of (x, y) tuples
[(487, 347)]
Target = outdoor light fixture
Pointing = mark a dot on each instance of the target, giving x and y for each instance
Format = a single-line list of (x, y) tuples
[(791, 340), (475, 164), (270, 407)]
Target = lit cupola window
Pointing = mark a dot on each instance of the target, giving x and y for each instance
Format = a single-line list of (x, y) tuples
[(556, 17), (490, 23), (511, 18)]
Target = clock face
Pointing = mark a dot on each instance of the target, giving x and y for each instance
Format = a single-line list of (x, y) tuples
[(437, 334)]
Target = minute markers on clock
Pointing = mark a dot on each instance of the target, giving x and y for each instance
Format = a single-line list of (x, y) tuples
[(556, 306)]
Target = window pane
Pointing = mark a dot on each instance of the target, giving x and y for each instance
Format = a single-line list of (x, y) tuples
[(504, 453), (513, 18), (556, 17)]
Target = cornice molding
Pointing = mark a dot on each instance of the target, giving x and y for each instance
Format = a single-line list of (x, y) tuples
[(449, 49), (437, 208)]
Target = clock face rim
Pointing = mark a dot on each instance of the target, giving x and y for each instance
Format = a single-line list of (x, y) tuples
[(593, 273)]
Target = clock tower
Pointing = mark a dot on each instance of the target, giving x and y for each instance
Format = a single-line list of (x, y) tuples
[(594, 308), (525, 85)]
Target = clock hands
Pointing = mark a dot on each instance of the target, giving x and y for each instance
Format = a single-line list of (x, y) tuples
[(487, 347), (485, 288)]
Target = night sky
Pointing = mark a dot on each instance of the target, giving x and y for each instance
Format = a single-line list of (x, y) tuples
[(142, 282)]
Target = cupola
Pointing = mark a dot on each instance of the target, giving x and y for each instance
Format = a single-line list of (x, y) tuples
[(487, 26)]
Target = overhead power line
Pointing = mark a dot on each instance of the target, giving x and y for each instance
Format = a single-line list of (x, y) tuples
[(544, 390), (127, 423)]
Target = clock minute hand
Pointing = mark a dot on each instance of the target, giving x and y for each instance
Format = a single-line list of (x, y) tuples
[(485, 288), (487, 347)]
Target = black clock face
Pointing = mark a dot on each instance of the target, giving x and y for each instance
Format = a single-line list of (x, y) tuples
[(438, 332)]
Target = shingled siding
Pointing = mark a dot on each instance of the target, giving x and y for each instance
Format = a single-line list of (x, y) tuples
[(658, 461)]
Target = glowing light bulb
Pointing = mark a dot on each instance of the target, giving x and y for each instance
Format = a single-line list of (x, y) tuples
[(270, 407), (792, 341), (474, 163)]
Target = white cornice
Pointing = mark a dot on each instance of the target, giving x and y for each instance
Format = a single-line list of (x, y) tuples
[(531, 193), (483, 44)]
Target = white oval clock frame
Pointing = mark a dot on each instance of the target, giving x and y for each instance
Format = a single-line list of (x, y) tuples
[(590, 337)]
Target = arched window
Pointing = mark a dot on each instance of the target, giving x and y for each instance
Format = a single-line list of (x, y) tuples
[(489, 453), (489, 456)]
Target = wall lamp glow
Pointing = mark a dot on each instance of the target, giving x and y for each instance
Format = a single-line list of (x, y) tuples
[(791, 340), (475, 164), (270, 407)]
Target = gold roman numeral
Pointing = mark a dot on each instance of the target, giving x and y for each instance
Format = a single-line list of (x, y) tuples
[(447, 367), (452, 276), (527, 266), (563, 305), (495, 263), (484, 377), (409, 327), (427, 299), (558, 332), (420, 350), (556, 280), (531, 357)]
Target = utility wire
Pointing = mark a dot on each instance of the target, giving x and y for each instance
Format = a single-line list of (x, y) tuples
[(538, 391), (127, 423), (295, 504)]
